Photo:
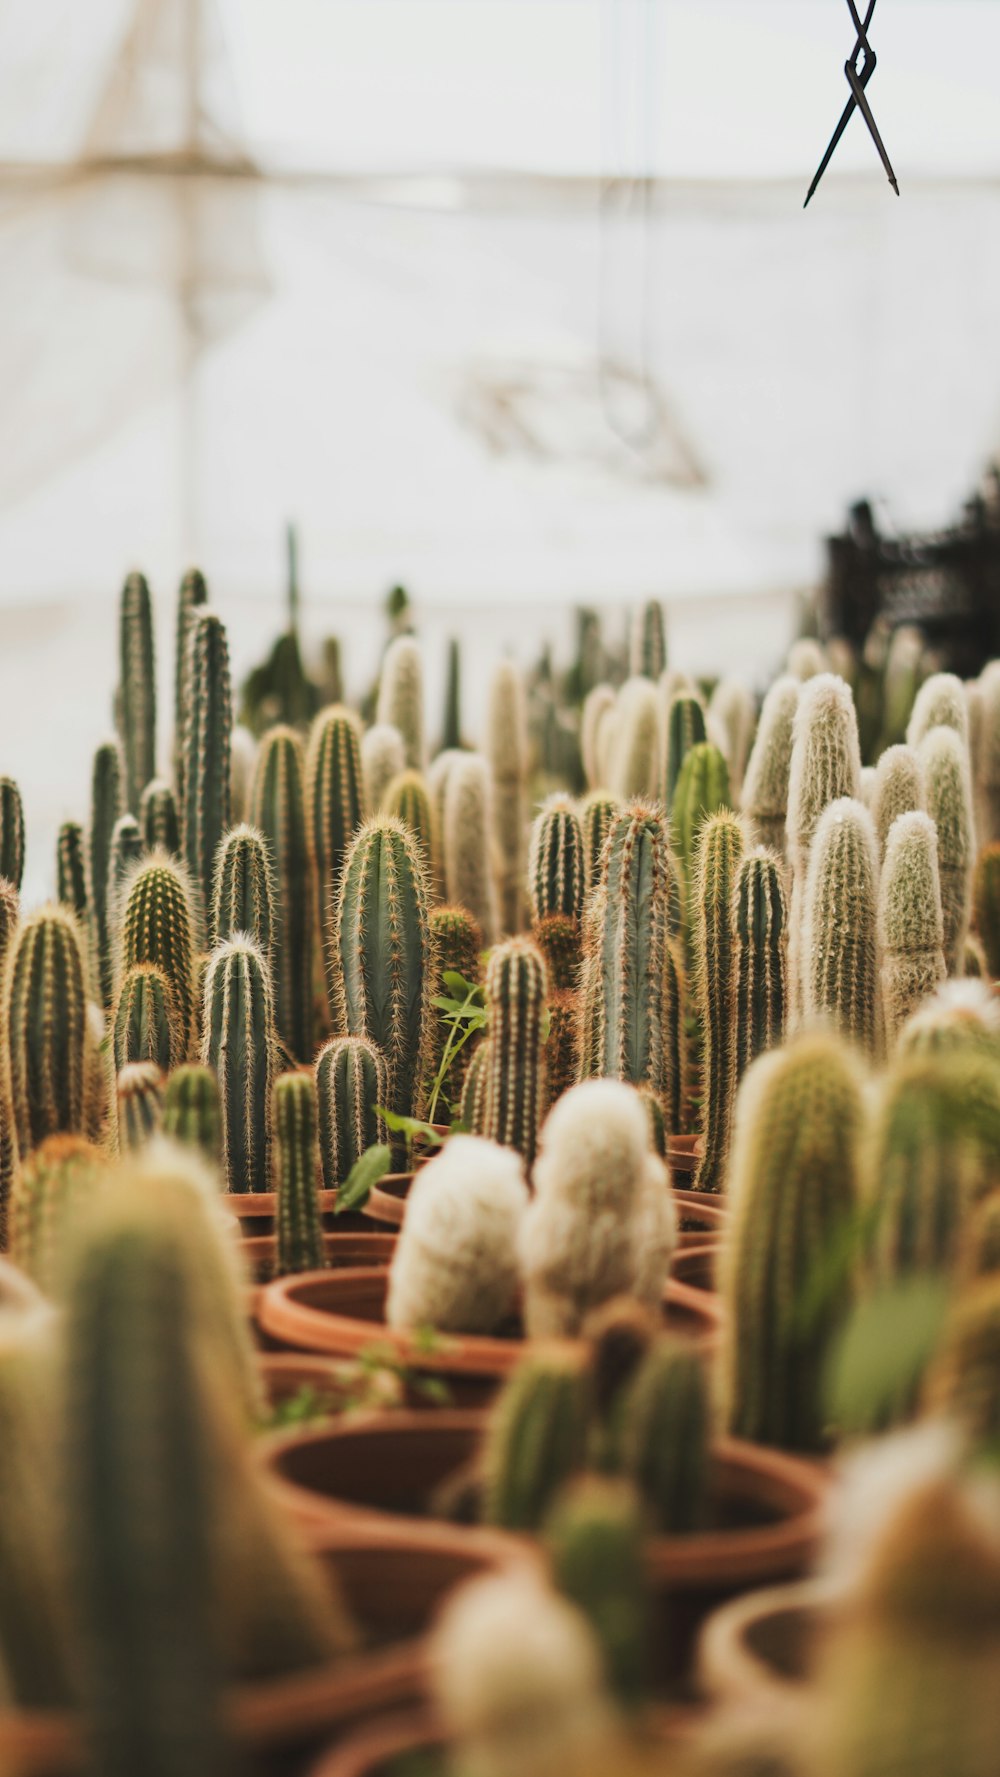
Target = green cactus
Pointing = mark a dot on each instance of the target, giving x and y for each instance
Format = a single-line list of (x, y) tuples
[(980, 1249), (352, 1079), (242, 766), (192, 596), (126, 850), (140, 1105), (382, 759), (761, 937), (192, 1112), (555, 861), (974, 964), (206, 751), (945, 760), (965, 1380), (451, 731), (685, 729), (401, 697), (71, 870), (11, 832), (635, 751), (105, 808), (300, 1231), (557, 936), (910, 923), (619, 1336), (146, 1026), (987, 731), (839, 956), (59, 1180), (986, 902), (702, 790), (238, 1043), (648, 641), (158, 818), (561, 1053), (664, 1434), (597, 811), (137, 689), (765, 787), (595, 1542), (457, 941), (279, 811), (43, 1027), (243, 891), (157, 927), (940, 703), (897, 788), (720, 855), (628, 936), (507, 750), (516, 992), (335, 798), (794, 1185), (825, 767), (472, 1110), (536, 1440), (409, 799)]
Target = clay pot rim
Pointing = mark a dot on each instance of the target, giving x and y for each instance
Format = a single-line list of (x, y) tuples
[(247, 1206), (726, 1666), (699, 1251), (261, 1246)]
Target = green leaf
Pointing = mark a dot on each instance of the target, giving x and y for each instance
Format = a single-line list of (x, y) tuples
[(459, 986), (427, 1340), (409, 1126), (373, 1164), (454, 1007)]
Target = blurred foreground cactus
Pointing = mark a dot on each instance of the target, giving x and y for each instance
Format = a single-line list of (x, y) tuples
[(192, 1112), (537, 1438)]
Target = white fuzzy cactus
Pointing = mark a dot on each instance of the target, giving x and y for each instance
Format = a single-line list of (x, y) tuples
[(825, 766), (597, 704), (455, 1267), (840, 932), (945, 760), (911, 925), (806, 660), (940, 703), (733, 714), (401, 697), (765, 786), (897, 788), (383, 757), (635, 754), (469, 841)]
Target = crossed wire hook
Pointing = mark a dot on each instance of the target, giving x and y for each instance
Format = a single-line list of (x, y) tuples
[(857, 80)]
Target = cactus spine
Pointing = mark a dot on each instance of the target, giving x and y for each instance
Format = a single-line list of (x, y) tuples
[(192, 596), (949, 803), (507, 752), (825, 767), (516, 991), (44, 1028), (468, 842), (280, 814), (472, 1110), (71, 870), (157, 927), (940, 703), (898, 788), (702, 790), (243, 891), (401, 697), (558, 938), (839, 949), (627, 982), (761, 931), (300, 1232), (192, 1112), (238, 1041), (596, 815), (911, 927), (137, 689), (408, 798), (648, 641), (140, 1104), (351, 1080), (986, 896), (685, 729), (146, 1026), (11, 832), (536, 1440), (206, 750), (335, 796), (555, 864), (765, 787), (158, 818), (105, 807), (719, 857), (60, 1178)]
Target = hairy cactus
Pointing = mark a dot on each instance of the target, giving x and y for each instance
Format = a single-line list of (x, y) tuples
[(193, 594), (105, 808), (71, 870), (557, 936), (238, 1042), (980, 1254), (383, 757), (468, 841), (243, 890), (146, 1026), (635, 757), (760, 914), (732, 717), (455, 1264), (806, 659), (986, 901), (904, 666), (59, 1180), (384, 958), (11, 832), (627, 932), (910, 924), (702, 790), (825, 767), (962, 1014), (537, 1438), (597, 812), (839, 959), (126, 850), (335, 797), (988, 765), (137, 689), (664, 1436), (555, 860), (765, 786), (648, 641), (456, 941), (300, 1232), (940, 703), (945, 761), (206, 750), (965, 1380), (561, 1048), (472, 1110), (897, 788), (598, 704), (10, 913), (516, 992), (720, 855), (507, 750), (409, 800), (159, 821), (43, 1025), (279, 809), (192, 1112), (595, 1542), (157, 927), (139, 1093), (685, 728), (401, 697), (794, 1187), (352, 1080)]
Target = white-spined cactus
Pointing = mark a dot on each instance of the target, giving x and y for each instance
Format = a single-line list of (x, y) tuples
[(945, 759), (635, 753), (940, 703), (765, 786), (897, 788), (383, 757), (455, 1267), (910, 922)]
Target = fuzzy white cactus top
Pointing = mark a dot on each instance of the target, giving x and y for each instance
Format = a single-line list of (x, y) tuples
[(455, 1267)]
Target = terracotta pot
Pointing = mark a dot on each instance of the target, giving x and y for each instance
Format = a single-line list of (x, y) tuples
[(260, 1251), (696, 1266), (683, 1154), (700, 1216), (371, 1752), (759, 1650), (255, 1210), (387, 1200)]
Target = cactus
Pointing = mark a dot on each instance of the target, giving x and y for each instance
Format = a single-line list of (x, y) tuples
[(140, 1104), (382, 759), (560, 1052), (105, 808), (507, 750), (940, 703), (280, 814), (648, 641), (598, 704), (157, 927), (455, 1267), (910, 923), (974, 964), (597, 812), (335, 796), (472, 1110), (468, 842), (965, 1380), (59, 1180), (206, 750), (627, 937), (839, 959), (732, 718), (555, 861), (897, 788), (988, 772), (243, 890), (451, 731), (557, 936), (945, 761), (961, 1014), (137, 689), (806, 659), (146, 1026), (685, 729), (401, 697), (238, 1042), (386, 966), (635, 754), (903, 673), (352, 1079), (158, 818), (408, 799), (71, 870), (537, 1438), (44, 1028), (760, 914), (765, 786), (980, 1248), (300, 1231), (11, 832), (192, 1113), (192, 596), (619, 1337), (986, 901), (825, 767), (794, 1187), (516, 991), (595, 1543), (664, 1436), (720, 855), (456, 942), (126, 850), (702, 790)]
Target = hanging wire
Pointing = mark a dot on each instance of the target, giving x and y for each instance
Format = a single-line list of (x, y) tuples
[(629, 92)]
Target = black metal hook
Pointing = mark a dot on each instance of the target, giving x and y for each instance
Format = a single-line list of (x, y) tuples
[(857, 79)]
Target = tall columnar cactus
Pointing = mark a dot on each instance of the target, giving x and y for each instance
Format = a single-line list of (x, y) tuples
[(557, 936), (383, 757), (760, 912), (401, 697), (58, 1182), (910, 923), (44, 1019), (945, 760), (685, 728), (147, 1026), (555, 860), (635, 754), (384, 957), (10, 913), (206, 751), (598, 705), (597, 812), (300, 1231), (126, 850), (409, 800), (192, 1113), (664, 1436), (140, 1105), (986, 902), (839, 959), (732, 718), (192, 596), (243, 890), (794, 1183), (457, 942), (940, 703), (335, 797), (137, 689), (516, 992), (629, 947), (904, 668), (988, 750), (595, 1542), (238, 1041), (765, 786), (71, 870), (537, 1438), (507, 750), (468, 842), (157, 927), (158, 817), (280, 814), (11, 832), (352, 1081), (561, 1049), (720, 854), (825, 767), (702, 790), (806, 659), (455, 1267), (105, 807), (648, 641), (451, 728), (897, 788)]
